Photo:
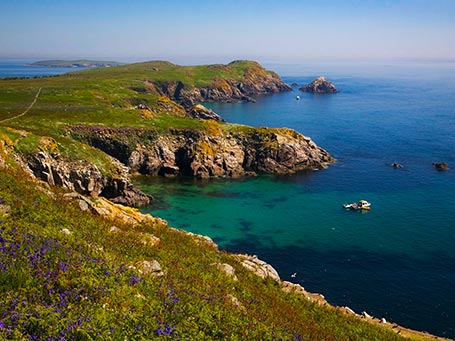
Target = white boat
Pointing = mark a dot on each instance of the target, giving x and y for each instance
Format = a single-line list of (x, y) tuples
[(297, 97), (361, 205)]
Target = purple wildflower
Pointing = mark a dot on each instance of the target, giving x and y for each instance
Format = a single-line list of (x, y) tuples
[(165, 330)]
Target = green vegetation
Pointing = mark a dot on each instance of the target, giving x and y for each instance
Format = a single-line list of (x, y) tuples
[(65, 276)]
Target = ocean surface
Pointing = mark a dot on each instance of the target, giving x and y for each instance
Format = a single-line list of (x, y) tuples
[(396, 261), (22, 68)]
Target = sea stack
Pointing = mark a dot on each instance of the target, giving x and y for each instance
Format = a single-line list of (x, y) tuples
[(320, 86)]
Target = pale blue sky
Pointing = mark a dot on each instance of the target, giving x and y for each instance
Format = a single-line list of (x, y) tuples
[(219, 31)]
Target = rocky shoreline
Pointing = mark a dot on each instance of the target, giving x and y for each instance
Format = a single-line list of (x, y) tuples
[(179, 152), (208, 154)]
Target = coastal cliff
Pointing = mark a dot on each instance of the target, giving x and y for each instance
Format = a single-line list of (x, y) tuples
[(211, 153), (147, 119), (254, 80)]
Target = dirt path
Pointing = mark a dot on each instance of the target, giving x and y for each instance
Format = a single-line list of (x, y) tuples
[(26, 110)]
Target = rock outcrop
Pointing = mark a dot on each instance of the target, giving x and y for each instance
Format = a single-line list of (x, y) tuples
[(213, 153), (202, 113), (85, 178), (320, 86), (255, 81)]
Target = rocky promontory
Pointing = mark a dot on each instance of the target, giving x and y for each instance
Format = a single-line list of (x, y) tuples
[(211, 153), (253, 80), (320, 86)]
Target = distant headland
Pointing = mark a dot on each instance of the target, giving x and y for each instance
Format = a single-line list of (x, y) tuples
[(75, 63)]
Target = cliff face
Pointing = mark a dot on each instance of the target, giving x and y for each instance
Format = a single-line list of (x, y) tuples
[(85, 178), (202, 155), (255, 81)]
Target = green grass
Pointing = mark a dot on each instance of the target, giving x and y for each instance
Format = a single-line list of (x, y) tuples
[(84, 286)]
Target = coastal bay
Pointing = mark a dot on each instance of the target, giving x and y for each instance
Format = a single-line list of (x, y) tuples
[(381, 115)]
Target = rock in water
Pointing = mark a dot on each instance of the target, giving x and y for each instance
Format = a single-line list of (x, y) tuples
[(320, 86), (440, 165)]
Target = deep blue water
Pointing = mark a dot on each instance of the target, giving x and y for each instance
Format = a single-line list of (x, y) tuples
[(396, 261), (21, 68)]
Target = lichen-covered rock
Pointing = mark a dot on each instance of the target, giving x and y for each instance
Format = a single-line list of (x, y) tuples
[(85, 178), (214, 153), (150, 267), (226, 269), (115, 212), (200, 112), (257, 266), (320, 86)]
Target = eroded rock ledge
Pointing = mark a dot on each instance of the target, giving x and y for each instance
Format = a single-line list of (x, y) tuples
[(85, 178), (203, 155)]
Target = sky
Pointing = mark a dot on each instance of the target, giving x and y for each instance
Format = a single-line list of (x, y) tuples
[(218, 31)]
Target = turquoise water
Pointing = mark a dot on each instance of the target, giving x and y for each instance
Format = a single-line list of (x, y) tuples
[(396, 261)]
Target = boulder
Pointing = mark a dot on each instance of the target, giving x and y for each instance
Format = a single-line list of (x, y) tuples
[(319, 86)]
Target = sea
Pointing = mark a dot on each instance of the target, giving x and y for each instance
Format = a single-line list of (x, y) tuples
[(396, 261), (22, 68)]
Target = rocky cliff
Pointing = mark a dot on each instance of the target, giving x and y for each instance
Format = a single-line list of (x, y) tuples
[(254, 81), (85, 178), (209, 154)]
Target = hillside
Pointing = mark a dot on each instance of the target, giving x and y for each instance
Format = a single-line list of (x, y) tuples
[(74, 268)]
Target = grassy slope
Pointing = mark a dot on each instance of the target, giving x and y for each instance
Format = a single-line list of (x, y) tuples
[(54, 284), (105, 96)]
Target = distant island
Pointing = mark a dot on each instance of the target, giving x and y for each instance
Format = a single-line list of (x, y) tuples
[(75, 63)]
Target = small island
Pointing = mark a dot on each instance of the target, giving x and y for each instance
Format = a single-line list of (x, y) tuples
[(320, 86), (75, 63)]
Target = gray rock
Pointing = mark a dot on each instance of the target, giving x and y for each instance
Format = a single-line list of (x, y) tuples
[(259, 267), (150, 267), (227, 269), (320, 86), (85, 178)]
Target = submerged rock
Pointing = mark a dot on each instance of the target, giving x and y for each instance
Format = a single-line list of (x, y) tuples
[(320, 86), (440, 165)]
